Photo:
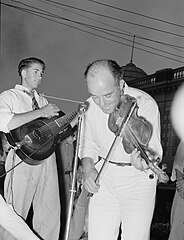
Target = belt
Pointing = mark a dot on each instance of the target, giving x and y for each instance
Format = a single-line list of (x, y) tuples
[(121, 164)]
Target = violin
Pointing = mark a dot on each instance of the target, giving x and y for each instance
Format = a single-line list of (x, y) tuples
[(137, 134)]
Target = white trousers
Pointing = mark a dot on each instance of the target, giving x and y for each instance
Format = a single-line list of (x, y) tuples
[(127, 197), (38, 184)]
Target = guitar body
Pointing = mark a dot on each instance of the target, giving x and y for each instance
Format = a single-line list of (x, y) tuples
[(36, 140)]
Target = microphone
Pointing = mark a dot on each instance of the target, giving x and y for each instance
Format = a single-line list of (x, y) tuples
[(83, 107)]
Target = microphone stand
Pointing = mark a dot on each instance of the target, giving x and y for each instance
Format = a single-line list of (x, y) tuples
[(82, 110)]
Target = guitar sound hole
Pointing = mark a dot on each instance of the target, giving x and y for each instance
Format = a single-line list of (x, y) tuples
[(37, 134)]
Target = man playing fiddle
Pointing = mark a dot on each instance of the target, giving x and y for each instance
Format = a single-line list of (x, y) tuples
[(27, 184), (124, 194)]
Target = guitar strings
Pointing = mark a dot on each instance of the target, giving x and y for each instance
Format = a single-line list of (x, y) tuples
[(44, 128), (66, 119)]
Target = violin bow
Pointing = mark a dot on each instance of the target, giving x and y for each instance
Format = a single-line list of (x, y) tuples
[(123, 123)]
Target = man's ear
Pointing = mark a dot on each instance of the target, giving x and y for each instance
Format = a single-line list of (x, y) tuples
[(23, 73), (122, 84)]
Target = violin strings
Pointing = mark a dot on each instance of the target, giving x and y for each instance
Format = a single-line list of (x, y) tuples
[(135, 141)]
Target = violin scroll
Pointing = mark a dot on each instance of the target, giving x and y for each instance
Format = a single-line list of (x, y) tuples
[(153, 161), (162, 176)]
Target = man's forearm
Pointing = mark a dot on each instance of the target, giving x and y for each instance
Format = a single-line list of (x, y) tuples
[(23, 118), (87, 164)]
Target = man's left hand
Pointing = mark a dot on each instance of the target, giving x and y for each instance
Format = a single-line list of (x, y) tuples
[(137, 161)]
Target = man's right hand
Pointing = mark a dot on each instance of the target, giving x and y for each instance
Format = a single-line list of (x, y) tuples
[(49, 110), (89, 180)]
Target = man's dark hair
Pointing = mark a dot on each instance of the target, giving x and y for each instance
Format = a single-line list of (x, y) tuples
[(27, 62), (109, 64)]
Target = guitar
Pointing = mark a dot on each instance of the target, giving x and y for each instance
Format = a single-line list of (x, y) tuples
[(35, 141)]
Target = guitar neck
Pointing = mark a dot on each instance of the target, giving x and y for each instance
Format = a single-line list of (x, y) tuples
[(66, 119)]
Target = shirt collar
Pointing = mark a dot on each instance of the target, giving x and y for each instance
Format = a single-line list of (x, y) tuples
[(125, 88), (24, 89)]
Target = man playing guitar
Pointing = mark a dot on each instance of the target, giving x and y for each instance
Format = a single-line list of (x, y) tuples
[(26, 184)]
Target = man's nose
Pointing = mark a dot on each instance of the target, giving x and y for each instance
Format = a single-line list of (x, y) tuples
[(101, 102), (39, 74)]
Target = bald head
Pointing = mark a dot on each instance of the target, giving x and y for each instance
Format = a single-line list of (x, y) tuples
[(103, 83), (106, 64)]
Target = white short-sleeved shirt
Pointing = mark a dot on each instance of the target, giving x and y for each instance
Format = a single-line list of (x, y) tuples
[(14, 101)]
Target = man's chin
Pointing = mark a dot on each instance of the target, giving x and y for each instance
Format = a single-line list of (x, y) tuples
[(37, 85), (107, 111)]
